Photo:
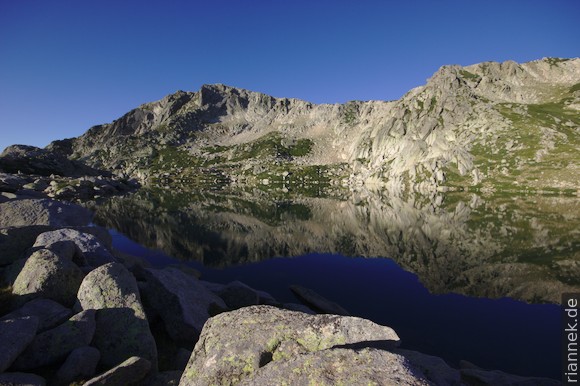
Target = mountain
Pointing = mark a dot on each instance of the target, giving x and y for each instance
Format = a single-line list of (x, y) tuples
[(490, 126)]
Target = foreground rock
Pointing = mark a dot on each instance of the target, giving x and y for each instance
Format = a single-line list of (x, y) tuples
[(265, 334), (129, 372), (15, 336), (181, 300), (42, 212), (47, 275), (122, 327), (340, 367)]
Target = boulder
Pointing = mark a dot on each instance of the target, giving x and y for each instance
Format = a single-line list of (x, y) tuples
[(181, 301), (46, 275), (55, 345), (340, 367), (80, 364), (122, 327), (17, 379), (15, 335), (129, 372), (95, 253), (42, 212), (233, 345), (237, 295), (317, 302), (48, 312)]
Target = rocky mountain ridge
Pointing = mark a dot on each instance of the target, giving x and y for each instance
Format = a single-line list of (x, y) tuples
[(489, 125)]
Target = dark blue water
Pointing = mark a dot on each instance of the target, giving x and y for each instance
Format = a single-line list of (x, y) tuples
[(502, 334)]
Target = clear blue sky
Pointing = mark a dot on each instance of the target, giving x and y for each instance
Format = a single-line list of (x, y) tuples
[(69, 65)]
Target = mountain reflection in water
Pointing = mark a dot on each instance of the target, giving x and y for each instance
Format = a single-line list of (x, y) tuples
[(523, 247)]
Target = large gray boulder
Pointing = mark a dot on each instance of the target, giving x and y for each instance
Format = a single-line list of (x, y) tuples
[(55, 345), (42, 212), (49, 313), (46, 275), (181, 300), (122, 327), (80, 364), (15, 335), (91, 248), (233, 345), (129, 372), (340, 367)]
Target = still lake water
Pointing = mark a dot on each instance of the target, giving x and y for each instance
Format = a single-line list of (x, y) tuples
[(459, 276)]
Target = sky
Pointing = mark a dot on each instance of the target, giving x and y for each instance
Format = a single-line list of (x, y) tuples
[(68, 65)]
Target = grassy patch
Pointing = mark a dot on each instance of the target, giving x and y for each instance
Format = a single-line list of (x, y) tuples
[(468, 75)]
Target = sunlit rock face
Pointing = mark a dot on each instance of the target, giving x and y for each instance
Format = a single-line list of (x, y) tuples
[(497, 126), (525, 247)]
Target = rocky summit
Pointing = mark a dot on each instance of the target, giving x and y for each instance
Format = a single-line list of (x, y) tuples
[(492, 126)]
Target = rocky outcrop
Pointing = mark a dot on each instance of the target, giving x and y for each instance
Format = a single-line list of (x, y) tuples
[(122, 327), (44, 162)]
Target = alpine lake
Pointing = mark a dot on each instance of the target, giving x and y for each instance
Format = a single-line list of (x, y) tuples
[(461, 275)]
